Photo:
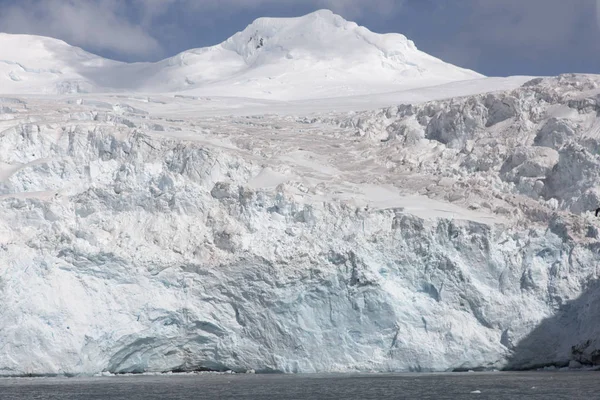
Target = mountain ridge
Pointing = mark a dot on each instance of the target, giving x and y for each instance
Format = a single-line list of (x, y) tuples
[(313, 56)]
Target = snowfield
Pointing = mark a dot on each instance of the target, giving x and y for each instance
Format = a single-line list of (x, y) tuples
[(440, 224)]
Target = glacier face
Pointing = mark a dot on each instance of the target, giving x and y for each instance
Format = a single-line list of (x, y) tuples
[(452, 234)]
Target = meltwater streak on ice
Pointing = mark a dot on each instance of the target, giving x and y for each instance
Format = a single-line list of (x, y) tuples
[(514, 386)]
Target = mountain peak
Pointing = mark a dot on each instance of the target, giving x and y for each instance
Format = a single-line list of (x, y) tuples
[(320, 34), (322, 16), (312, 56)]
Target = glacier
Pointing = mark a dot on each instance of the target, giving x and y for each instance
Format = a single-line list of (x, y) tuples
[(434, 236), (180, 231)]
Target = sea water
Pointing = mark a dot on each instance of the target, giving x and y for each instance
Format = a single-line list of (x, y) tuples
[(529, 385)]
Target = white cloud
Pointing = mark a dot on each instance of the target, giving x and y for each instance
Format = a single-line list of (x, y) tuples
[(142, 29), (131, 28), (92, 24)]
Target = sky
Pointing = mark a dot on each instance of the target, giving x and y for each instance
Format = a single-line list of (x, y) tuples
[(493, 37)]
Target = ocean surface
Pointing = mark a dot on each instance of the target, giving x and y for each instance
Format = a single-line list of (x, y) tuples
[(492, 385)]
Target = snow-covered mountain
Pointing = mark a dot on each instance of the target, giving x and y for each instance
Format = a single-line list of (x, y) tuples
[(314, 56)]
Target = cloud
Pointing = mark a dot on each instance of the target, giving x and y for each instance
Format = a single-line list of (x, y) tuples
[(349, 8), (531, 29), (500, 36), (98, 25), (545, 23), (358, 8), (133, 28)]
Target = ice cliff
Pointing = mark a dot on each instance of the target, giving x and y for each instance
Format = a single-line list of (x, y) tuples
[(445, 235)]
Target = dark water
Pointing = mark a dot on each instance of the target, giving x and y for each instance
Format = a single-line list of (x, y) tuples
[(535, 385)]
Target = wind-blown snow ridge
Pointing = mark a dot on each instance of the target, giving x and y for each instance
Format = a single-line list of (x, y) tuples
[(315, 56), (454, 234)]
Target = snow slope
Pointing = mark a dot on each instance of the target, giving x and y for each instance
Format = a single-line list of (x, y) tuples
[(315, 56), (138, 234), (36, 64)]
